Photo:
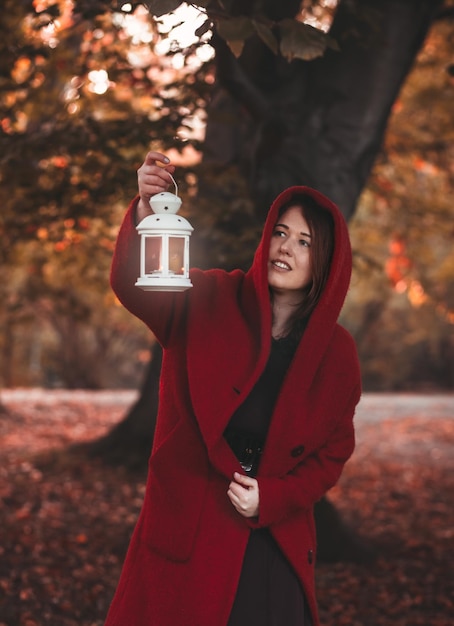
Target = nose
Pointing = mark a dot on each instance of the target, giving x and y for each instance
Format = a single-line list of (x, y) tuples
[(285, 246)]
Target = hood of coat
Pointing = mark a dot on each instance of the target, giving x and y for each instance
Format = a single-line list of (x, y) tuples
[(328, 309)]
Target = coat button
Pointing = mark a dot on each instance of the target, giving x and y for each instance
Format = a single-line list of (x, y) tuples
[(310, 557), (298, 451)]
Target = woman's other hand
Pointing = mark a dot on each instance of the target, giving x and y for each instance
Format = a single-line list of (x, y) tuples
[(243, 493), (152, 179)]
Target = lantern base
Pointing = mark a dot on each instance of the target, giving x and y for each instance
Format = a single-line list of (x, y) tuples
[(157, 283)]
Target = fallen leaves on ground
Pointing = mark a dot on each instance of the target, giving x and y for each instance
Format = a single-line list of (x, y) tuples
[(66, 520)]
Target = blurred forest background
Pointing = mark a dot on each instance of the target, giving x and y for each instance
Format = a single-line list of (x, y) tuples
[(354, 97), (87, 88)]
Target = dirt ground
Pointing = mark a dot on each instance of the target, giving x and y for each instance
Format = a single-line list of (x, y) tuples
[(66, 521)]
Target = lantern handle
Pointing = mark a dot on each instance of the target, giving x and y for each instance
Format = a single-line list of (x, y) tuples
[(174, 182)]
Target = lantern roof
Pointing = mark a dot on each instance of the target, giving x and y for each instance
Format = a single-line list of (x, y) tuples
[(161, 223)]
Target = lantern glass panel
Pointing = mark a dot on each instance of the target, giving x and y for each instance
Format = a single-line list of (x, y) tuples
[(153, 254), (176, 255)]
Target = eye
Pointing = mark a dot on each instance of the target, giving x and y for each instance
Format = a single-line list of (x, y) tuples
[(305, 243), (278, 233)]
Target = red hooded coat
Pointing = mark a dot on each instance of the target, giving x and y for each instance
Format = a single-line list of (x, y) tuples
[(186, 553)]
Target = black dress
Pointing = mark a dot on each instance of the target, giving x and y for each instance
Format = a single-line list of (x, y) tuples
[(269, 592)]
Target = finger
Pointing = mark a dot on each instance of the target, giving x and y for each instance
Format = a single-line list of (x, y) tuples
[(241, 491), (153, 182), (240, 494), (154, 175), (233, 498), (151, 169), (246, 481), (154, 179), (235, 490), (156, 157), (240, 506)]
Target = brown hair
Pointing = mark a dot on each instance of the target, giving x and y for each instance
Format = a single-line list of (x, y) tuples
[(321, 226)]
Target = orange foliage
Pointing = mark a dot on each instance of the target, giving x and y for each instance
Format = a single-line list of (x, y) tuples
[(416, 294), (21, 70), (60, 161), (83, 223), (397, 106), (398, 264), (421, 165), (60, 246), (383, 183)]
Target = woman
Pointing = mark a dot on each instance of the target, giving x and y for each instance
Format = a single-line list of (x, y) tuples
[(258, 389)]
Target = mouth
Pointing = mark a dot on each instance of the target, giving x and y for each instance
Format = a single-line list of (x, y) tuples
[(281, 265)]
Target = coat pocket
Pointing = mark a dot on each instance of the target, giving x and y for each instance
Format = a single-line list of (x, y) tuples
[(175, 494)]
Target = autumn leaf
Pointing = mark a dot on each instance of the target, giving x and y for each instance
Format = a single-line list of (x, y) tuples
[(158, 8), (235, 31), (302, 41)]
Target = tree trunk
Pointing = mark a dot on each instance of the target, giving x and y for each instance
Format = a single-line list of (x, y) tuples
[(319, 123), (129, 442)]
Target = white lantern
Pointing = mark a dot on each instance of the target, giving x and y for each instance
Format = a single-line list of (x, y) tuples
[(164, 246)]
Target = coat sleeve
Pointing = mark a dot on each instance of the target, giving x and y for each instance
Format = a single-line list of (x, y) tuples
[(162, 312), (312, 478)]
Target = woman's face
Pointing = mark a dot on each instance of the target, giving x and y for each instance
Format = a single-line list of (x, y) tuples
[(290, 251)]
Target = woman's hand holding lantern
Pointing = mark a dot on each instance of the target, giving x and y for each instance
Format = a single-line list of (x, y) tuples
[(152, 179)]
